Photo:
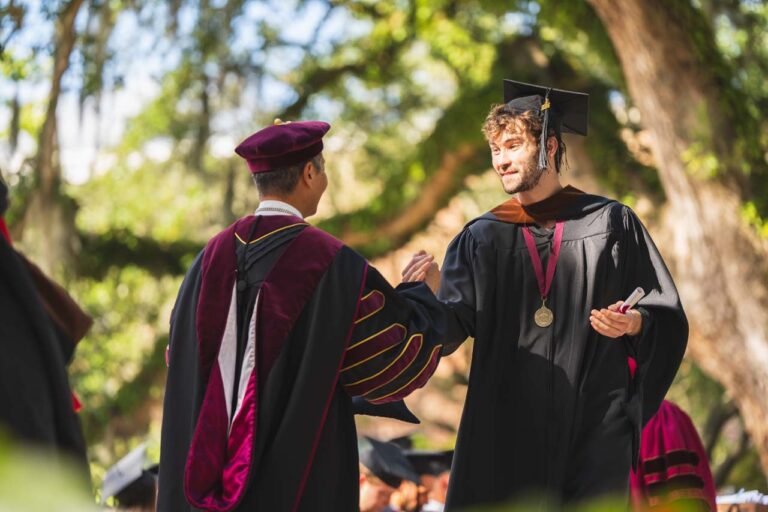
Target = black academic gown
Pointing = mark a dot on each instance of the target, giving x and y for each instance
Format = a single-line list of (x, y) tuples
[(354, 335), (554, 411), (35, 396)]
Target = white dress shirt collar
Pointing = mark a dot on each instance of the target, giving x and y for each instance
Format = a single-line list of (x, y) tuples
[(273, 207)]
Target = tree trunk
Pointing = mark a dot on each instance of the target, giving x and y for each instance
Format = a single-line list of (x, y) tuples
[(677, 80), (49, 224)]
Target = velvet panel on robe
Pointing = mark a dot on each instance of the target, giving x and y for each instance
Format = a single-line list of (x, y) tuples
[(396, 343), (555, 410), (34, 387), (673, 469), (303, 450)]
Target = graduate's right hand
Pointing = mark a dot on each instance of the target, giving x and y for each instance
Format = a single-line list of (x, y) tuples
[(613, 324), (422, 268)]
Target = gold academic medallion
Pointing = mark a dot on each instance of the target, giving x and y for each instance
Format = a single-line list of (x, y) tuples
[(544, 316)]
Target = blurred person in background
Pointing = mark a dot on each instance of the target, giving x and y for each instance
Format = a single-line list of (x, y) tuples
[(673, 469), (434, 469), (383, 470), (40, 326)]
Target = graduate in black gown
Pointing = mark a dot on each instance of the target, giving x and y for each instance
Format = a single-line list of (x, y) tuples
[(276, 328), (561, 382)]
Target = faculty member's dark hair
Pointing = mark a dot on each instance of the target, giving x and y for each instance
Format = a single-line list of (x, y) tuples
[(3, 196), (501, 119), (282, 180)]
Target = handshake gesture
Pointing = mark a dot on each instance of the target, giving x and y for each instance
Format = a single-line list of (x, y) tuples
[(422, 268)]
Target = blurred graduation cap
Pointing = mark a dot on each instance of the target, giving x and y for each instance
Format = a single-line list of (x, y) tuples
[(430, 462), (564, 111), (386, 461), (395, 410), (130, 481), (403, 442)]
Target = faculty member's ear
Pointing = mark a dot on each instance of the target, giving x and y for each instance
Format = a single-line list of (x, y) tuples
[(309, 171), (310, 174)]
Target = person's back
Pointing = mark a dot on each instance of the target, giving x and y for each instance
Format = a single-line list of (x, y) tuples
[(276, 327)]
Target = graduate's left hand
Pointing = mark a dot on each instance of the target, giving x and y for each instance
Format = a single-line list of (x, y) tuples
[(613, 324), (422, 268)]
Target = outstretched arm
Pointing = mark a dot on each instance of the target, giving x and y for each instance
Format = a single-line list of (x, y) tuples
[(396, 341)]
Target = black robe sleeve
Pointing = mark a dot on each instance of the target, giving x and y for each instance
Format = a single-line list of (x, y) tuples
[(34, 386), (457, 290), (660, 346), (181, 403), (396, 340)]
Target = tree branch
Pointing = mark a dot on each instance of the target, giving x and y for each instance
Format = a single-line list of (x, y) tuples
[(121, 248), (716, 420), (723, 470)]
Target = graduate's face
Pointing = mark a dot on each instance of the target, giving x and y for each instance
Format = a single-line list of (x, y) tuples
[(515, 157), (374, 494)]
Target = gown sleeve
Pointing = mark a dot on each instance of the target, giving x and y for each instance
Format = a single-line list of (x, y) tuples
[(183, 392), (396, 340), (660, 345), (457, 290)]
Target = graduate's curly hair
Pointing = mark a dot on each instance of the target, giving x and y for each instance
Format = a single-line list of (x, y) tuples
[(282, 180), (528, 123)]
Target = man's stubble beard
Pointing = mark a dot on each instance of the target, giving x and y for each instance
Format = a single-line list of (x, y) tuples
[(529, 176)]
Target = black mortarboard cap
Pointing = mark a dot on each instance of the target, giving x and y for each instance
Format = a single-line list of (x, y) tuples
[(430, 462), (386, 461), (395, 410), (403, 442), (564, 111), (129, 481)]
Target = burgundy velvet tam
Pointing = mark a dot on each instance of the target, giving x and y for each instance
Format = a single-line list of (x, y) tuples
[(283, 144)]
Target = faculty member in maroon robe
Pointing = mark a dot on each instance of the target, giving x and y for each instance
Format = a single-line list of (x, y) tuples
[(276, 327)]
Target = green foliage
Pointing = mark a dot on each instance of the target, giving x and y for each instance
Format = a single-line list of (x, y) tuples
[(701, 162), (730, 38), (615, 167), (752, 217), (157, 199), (131, 311), (747, 473), (741, 39), (575, 30), (166, 116), (16, 69)]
